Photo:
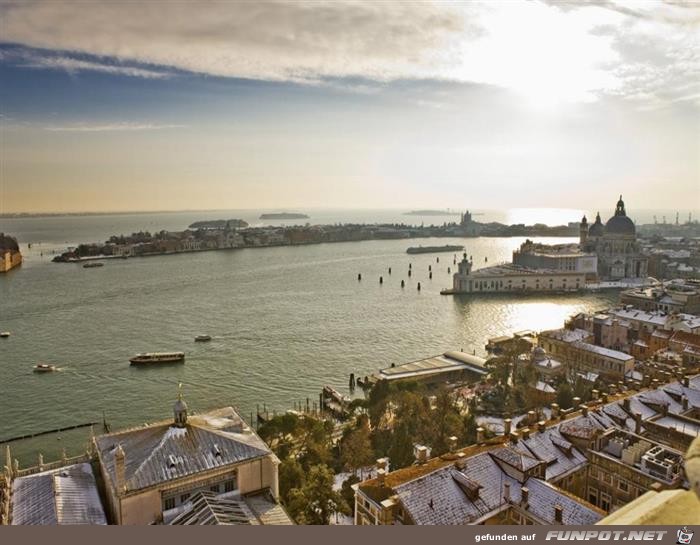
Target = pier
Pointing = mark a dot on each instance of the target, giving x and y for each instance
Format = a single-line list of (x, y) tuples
[(48, 432)]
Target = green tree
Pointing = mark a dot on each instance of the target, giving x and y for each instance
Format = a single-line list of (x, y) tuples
[(291, 475), (446, 423), (565, 395), (401, 449), (316, 501), (356, 449)]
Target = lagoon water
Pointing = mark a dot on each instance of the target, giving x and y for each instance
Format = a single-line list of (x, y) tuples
[(284, 321)]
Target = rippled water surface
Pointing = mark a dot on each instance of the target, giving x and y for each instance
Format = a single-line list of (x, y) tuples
[(284, 321)]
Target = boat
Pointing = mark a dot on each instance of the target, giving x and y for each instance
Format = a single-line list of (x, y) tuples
[(4, 334), (202, 338), (433, 249), (150, 358), (44, 368), (93, 265)]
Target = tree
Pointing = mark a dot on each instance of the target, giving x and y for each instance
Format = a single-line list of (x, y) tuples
[(348, 493), (356, 449), (291, 476), (316, 501), (401, 449), (446, 423), (565, 395)]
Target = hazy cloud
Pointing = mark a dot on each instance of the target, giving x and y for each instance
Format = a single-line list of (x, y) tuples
[(124, 126)]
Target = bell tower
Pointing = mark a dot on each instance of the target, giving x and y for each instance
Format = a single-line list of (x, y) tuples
[(180, 410), (583, 231)]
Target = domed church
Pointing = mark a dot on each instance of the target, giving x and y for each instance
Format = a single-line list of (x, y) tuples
[(615, 243)]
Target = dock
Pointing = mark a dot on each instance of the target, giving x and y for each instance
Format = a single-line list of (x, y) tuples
[(48, 432)]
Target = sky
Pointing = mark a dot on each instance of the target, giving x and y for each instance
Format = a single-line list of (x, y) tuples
[(116, 106)]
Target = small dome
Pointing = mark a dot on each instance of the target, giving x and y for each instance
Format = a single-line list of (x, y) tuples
[(538, 353), (597, 229)]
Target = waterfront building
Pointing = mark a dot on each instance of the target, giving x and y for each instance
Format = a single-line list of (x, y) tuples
[(673, 296), (509, 278), (548, 368), (10, 256), (153, 473), (615, 244), (558, 257), (451, 366)]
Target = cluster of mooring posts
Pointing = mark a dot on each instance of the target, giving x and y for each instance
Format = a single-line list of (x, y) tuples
[(410, 273)]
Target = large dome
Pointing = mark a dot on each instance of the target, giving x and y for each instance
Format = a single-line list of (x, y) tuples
[(620, 225)]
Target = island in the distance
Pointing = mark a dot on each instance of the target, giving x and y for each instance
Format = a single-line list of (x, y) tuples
[(219, 224), (284, 216), (430, 213)]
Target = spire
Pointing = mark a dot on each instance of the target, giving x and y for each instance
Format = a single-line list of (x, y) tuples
[(620, 208)]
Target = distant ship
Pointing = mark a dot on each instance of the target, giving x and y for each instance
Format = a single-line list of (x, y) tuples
[(433, 249), (93, 264), (157, 357), (284, 216)]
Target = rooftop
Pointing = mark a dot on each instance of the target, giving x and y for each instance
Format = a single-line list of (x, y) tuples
[(63, 496), (163, 452)]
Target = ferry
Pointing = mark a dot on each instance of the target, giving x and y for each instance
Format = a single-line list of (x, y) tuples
[(433, 249), (202, 338), (157, 357), (93, 264), (44, 368), (4, 334)]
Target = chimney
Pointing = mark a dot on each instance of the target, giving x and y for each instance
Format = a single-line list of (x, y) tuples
[(584, 409), (461, 461), (119, 470), (541, 426), (531, 417), (381, 475), (558, 514), (555, 410), (577, 401), (514, 437), (604, 397), (506, 426), (525, 433), (383, 463), (452, 442), (685, 381), (664, 409), (626, 404), (524, 496), (655, 383), (684, 402), (594, 395), (479, 434), (637, 423), (421, 454), (506, 492)]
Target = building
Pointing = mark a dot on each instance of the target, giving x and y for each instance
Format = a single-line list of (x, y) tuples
[(10, 256), (571, 469), (152, 474), (448, 366), (615, 244), (559, 257), (67, 495), (510, 278), (674, 296)]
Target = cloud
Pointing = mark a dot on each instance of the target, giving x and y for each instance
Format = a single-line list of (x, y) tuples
[(547, 52), (109, 127)]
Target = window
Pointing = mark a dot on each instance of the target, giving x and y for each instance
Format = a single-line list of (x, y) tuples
[(169, 504), (214, 488), (623, 485), (605, 501), (184, 498), (230, 486), (592, 496)]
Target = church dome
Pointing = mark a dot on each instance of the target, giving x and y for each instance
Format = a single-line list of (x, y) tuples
[(538, 354), (620, 224), (596, 229)]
